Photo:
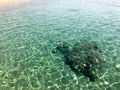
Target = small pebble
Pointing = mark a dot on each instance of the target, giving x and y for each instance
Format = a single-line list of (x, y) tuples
[(75, 78), (106, 83), (49, 87), (33, 48), (118, 66)]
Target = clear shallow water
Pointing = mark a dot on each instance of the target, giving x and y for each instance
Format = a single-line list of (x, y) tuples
[(30, 31)]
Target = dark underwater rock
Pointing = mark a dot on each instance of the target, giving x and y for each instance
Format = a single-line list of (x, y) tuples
[(83, 57)]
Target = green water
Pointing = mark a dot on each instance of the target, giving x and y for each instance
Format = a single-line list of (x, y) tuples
[(30, 31)]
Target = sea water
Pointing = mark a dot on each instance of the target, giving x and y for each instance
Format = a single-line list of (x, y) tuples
[(29, 31)]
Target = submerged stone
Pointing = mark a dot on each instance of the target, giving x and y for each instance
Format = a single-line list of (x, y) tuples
[(82, 57)]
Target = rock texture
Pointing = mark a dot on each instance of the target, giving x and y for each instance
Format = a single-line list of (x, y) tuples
[(83, 57)]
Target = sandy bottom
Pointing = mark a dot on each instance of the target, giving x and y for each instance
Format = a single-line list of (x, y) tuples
[(30, 32)]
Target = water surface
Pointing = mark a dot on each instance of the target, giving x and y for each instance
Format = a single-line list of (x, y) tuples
[(29, 31)]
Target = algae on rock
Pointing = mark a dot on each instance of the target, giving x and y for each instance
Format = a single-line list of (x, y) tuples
[(84, 57)]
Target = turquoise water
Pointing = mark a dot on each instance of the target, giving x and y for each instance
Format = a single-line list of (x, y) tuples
[(30, 31)]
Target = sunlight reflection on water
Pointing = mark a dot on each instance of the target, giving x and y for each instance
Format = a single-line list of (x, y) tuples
[(30, 31), (108, 2)]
